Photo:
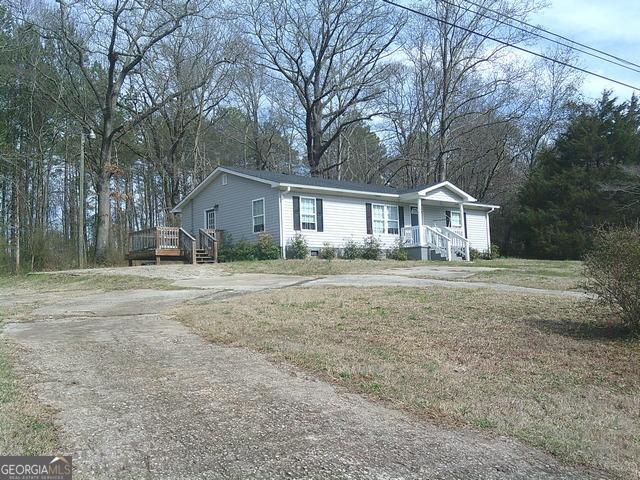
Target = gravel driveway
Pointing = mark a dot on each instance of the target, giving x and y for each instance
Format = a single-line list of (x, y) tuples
[(138, 395)]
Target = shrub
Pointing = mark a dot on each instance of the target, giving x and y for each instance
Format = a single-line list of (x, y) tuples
[(267, 248), (494, 252), (327, 252), (351, 250), (244, 250), (475, 254), (371, 248), (298, 247), (612, 268), (398, 252), (228, 251)]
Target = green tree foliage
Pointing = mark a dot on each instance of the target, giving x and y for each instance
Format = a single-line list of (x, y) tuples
[(581, 182)]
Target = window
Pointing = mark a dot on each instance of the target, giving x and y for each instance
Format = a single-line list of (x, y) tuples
[(393, 224), (210, 218), (378, 218), (257, 210), (455, 219), (224, 179), (308, 213), (385, 219)]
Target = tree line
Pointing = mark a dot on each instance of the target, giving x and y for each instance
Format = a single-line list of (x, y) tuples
[(159, 92)]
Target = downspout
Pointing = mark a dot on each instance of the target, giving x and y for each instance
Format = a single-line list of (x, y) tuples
[(283, 245), (467, 253), (489, 230)]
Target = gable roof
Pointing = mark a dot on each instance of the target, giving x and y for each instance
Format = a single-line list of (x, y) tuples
[(275, 179)]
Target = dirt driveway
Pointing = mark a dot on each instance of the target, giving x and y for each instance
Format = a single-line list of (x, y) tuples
[(138, 395)]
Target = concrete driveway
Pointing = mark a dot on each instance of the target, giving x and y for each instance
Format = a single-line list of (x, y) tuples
[(138, 395)]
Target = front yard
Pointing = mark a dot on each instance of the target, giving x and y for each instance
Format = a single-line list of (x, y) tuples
[(547, 274), (528, 366)]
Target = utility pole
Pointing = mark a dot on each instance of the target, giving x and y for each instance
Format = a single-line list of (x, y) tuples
[(81, 204)]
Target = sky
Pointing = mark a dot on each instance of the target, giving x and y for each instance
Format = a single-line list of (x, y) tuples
[(609, 25)]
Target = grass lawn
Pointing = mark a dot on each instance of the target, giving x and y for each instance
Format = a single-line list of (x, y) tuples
[(316, 266), (547, 274), (524, 366), (53, 282)]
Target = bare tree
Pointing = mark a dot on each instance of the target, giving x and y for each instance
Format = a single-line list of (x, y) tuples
[(104, 46), (451, 79), (332, 54), (196, 72)]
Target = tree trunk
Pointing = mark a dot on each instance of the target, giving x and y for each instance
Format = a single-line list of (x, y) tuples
[(104, 217)]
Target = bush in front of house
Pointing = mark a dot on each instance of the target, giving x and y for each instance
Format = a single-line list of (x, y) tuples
[(351, 250), (371, 248), (298, 247), (226, 249), (267, 249), (475, 254), (612, 268), (327, 252), (243, 250), (493, 253), (398, 251)]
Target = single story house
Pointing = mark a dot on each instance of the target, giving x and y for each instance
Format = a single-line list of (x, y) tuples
[(438, 221)]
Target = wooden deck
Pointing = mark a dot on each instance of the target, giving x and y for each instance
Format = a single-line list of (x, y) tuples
[(173, 244)]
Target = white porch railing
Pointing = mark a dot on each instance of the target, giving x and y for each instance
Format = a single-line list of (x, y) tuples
[(446, 242), (459, 244)]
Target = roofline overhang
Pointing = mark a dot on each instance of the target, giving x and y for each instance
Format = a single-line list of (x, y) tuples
[(481, 205), (339, 190), (446, 184)]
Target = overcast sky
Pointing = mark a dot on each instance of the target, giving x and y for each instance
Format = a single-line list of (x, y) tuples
[(609, 25)]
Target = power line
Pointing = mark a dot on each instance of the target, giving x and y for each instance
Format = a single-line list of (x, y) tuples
[(502, 22), (551, 33), (507, 44)]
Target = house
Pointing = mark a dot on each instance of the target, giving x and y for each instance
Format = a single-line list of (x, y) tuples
[(438, 221)]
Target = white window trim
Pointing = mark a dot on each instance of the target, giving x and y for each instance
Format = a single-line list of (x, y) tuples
[(225, 179), (373, 219), (386, 218), (315, 214), (215, 217), (264, 215)]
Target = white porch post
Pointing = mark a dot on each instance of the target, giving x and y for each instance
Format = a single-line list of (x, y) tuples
[(420, 233), (467, 254)]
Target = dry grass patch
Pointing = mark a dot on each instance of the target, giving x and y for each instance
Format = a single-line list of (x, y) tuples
[(26, 426), (64, 282), (316, 266), (545, 279), (525, 366)]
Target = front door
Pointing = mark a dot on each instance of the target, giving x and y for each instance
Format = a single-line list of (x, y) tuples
[(210, 219), (414, 216)]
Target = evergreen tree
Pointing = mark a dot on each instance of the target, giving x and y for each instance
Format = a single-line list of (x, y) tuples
[(578, 183)]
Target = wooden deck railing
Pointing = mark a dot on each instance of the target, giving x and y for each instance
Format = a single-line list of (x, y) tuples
[(153, 238), (188, 245), (209, 242)]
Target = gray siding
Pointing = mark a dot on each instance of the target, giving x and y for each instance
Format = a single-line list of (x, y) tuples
[(234, 214)]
